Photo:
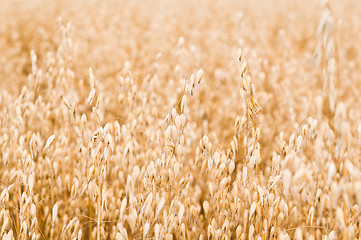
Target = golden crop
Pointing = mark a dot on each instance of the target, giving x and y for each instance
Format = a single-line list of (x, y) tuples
[(173, 119)]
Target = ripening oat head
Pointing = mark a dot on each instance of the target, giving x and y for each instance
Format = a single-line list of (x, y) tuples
[(49, 141), (54, 213)]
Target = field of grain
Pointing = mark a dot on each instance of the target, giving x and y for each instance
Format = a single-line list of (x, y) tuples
[(169, 119)]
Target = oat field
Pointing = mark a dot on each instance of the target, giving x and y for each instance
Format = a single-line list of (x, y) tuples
[(169, 119)]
